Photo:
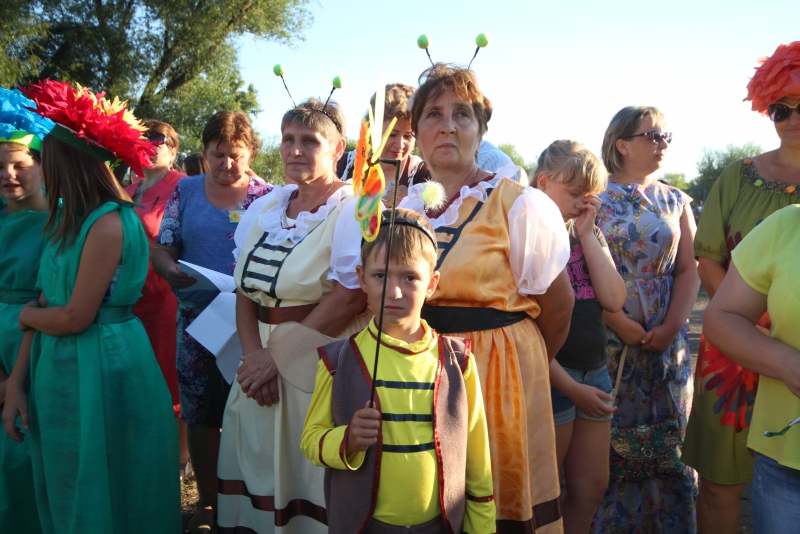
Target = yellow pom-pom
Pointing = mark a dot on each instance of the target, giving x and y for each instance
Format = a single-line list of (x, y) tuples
[(433, 196)]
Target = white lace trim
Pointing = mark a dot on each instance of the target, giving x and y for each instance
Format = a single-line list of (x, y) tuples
[(413, 201), (270, 220)]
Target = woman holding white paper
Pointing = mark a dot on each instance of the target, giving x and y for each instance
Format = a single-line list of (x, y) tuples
[(298, 248), (200, 218)]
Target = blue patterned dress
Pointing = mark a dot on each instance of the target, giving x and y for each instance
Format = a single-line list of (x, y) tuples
[(642, 227)]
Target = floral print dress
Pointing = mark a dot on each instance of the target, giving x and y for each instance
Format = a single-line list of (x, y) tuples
[(642, 227)]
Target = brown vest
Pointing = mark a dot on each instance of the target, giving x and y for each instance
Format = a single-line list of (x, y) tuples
[(350, 496)]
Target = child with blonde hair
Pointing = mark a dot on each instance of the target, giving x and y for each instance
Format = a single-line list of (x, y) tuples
[(572, 177)]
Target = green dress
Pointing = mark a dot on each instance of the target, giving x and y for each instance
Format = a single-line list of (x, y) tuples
[(724, 393), (21, 242), (104, 443)]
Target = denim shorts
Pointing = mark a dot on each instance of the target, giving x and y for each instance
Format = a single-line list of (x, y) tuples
[(565, 411), (776, 496)]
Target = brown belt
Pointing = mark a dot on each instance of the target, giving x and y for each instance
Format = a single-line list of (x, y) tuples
[(296, 314)]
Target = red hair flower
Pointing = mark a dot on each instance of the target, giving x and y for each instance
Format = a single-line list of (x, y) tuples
[(776, 78), (95, 120)]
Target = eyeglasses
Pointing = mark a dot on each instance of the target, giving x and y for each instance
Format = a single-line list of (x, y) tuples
[(779, 111), (654, 136), (159, 139)]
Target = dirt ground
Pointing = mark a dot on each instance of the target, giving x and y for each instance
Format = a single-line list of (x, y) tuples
[(189, 494)]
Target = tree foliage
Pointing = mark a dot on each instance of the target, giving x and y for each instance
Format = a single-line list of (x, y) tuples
[(20, 40), (675, 179), (171, 59), (511, 151), (713, 162), (268, 164)]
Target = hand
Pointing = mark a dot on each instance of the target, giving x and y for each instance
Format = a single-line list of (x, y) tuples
[(16, 405), (589, 206), (658, 339), (256, 370), (363, 431), (267, 395), (22, 326), (178, 279), (632, 333), (591, 401)]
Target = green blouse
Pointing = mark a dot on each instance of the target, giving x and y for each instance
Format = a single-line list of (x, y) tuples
[(739, 200)]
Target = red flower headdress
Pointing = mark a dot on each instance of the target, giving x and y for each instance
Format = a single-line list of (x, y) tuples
[(103, 129), (776, 78)]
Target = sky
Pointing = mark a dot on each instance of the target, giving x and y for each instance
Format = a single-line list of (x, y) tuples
[(553, 70)]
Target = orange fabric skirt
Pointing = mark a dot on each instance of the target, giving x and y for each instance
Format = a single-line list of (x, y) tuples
[(515, 379)]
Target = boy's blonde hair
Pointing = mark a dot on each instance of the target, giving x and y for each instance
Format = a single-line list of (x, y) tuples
[(409, 242), (571, 163)]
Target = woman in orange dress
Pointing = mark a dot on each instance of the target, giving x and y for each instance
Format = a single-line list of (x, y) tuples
[(502, 253)]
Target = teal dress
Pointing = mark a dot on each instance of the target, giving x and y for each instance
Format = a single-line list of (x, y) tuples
[(104, 444), (21, 242)]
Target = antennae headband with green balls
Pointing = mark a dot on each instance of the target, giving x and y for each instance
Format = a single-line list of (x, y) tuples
[(481, 40), (337, 84)]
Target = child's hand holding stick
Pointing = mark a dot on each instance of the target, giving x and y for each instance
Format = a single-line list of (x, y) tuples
[(363, 429)]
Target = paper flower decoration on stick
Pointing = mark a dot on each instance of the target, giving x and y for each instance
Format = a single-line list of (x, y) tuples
[(105, 129), (368, 180)]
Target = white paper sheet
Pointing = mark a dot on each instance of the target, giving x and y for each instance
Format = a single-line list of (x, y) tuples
[(215, 329), (207, 279)]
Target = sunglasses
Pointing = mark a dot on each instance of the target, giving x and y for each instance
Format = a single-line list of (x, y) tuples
[(655, 137), (159, 139), (779, 111)]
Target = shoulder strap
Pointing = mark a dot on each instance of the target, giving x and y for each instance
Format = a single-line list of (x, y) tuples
[(458, 347), (330, 354)]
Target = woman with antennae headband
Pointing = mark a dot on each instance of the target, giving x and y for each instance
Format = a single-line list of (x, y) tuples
[(297, 251)]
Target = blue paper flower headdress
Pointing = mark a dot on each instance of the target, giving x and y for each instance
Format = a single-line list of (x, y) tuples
[(18, 124)]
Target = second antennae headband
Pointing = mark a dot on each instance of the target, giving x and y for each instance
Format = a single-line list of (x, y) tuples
[(279, 71), (481, 40)]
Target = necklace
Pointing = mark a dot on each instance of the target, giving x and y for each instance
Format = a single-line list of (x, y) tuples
[(141, 191)]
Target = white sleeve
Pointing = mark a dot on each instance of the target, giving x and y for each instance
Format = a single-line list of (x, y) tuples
[(539, 241), (346, 247), (249, 218)]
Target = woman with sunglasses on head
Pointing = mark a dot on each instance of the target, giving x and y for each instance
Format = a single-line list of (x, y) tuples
[(649, 228), (745, 194), (158, 306)]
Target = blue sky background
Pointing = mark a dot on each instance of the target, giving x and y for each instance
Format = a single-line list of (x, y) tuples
[(553, 70)]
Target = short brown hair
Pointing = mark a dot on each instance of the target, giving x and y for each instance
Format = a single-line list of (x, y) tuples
[(82, 181), (570, 163), (396, 104), (159, 127), (408, 243), (443, 76), (622, 125), (233, 128), (310, 114)]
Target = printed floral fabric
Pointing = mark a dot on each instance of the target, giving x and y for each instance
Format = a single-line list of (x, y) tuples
[(642, 227)]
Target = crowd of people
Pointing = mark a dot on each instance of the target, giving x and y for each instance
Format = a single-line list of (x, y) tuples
[(534, 375)]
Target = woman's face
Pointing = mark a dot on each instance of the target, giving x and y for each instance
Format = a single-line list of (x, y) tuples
[(641, 153), (307, 154), (448, 132), (20, 175), (163, 158), (228, 162), (400, 142), (789, 129)]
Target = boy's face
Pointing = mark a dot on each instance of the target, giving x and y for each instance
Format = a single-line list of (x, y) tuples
[(407, 288)]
